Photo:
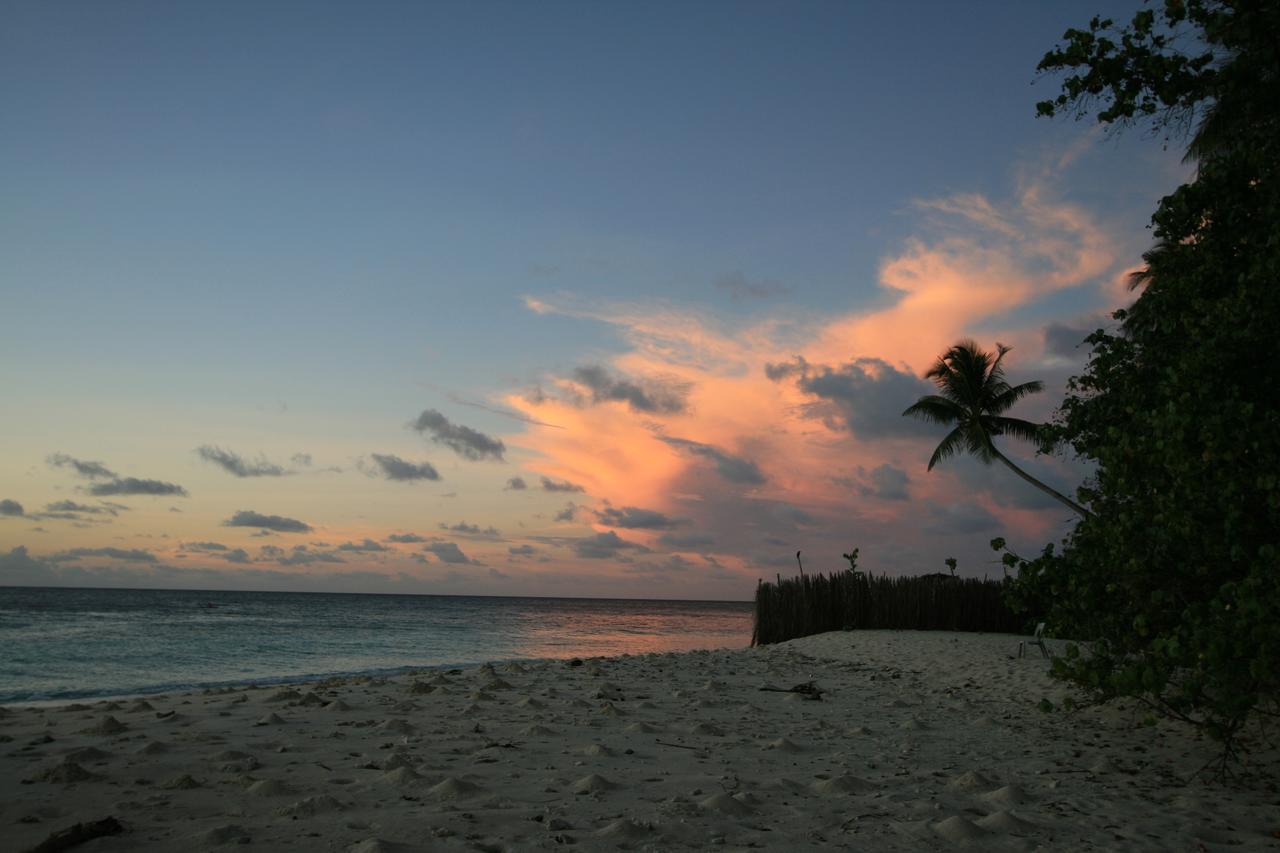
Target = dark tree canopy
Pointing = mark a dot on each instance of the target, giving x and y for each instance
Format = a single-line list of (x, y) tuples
[(1175, 578)]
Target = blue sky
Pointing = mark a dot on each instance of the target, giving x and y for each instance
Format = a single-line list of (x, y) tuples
[(290, 228)]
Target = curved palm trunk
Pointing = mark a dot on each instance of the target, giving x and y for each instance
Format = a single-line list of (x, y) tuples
[(1048, 490)]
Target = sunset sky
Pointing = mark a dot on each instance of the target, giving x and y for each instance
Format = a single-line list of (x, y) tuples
[(598, 299)]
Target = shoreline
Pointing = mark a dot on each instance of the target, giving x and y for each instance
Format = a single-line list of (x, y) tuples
[(922, 740), (303, 680)]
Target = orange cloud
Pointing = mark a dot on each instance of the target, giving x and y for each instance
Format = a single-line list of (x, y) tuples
[(986, 261)]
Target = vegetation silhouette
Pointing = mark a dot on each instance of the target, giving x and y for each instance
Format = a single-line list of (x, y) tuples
[(1174, 582), (974, 395)]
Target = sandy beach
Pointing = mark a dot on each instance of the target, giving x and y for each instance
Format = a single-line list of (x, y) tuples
[(919, 741)]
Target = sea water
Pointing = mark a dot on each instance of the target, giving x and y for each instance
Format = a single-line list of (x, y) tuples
[(77, 643)]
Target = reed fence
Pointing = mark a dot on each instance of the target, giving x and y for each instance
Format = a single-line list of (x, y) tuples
[(812, 604)]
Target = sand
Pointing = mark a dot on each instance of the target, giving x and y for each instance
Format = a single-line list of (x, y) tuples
[(921, 741)]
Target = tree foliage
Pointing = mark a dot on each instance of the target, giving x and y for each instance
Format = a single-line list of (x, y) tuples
[(1175, 579)]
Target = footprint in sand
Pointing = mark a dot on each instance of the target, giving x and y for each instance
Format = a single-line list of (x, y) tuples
[(844, 784), (970, 780), (453, 788), (220, 835), (593, 784), (67, 773), (269, 788), (311, 806), (960, 830), (1004, 821), (782, 745), (108, 725), (232, 761), (181, 783), (725, 804), (625, 829)]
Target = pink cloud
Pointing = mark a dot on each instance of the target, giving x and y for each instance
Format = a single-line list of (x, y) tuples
[(983, 262)]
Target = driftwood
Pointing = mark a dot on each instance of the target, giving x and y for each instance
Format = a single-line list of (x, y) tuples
[(808, 690), (65, 839)]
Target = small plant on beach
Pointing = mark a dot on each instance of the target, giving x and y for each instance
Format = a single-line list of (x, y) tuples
[(852, 557), (973, 395)]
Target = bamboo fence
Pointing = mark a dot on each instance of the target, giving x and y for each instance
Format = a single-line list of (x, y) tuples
[(812, 604)]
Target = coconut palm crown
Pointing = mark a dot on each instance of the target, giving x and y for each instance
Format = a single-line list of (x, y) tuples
[(973, 396)]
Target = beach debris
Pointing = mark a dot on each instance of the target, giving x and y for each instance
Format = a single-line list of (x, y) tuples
[(64, 839), (808, 690), (270, 720)]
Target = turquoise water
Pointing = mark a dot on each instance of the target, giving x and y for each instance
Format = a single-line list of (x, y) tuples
[(77, 643)]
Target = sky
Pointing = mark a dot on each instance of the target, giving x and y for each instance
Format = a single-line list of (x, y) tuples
[(561, 299)]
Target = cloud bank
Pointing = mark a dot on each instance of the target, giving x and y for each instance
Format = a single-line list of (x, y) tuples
[(278, 523)]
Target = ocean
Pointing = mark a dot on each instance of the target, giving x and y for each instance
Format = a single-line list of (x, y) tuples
[(80, 643)]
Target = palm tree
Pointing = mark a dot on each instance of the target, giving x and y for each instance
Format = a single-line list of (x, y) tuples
[(973, 396)]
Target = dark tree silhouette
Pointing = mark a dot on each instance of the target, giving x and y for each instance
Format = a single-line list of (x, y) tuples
[(973, 395)]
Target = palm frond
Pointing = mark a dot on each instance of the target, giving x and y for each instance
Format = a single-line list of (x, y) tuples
[(994, 382), (938, 410), (950, 446), (1015, 428), (1006, 397)]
